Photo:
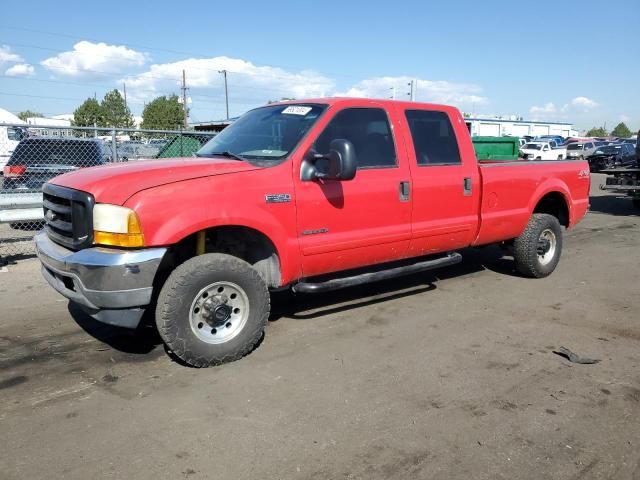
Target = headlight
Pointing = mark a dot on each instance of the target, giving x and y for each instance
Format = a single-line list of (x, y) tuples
[(117, 226)]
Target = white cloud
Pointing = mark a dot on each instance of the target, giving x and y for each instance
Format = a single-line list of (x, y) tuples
[(7, 56), (538, 112), (437, 91), (256, 83), (624, 118), (577, 105), (584, 103), (89, 59), (20, 70)]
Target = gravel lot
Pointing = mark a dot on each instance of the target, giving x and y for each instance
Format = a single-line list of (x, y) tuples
[(448, 375)]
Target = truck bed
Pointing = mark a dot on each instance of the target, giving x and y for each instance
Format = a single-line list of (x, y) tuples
[(510, 187)]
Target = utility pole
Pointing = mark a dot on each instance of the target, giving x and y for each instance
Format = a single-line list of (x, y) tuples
[(226, 91), (184, 99), (124, 90), (393, 92), (411, 91), (415, 90)]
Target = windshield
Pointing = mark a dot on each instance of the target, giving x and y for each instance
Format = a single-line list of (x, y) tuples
[(575, 146), (532, 146), (264, 134), (609, 149)]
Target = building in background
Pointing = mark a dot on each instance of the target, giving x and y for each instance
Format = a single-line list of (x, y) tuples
[(38, 126), (498, 127)]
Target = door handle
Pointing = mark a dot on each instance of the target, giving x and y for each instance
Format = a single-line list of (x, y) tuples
[(405, 188), (467, 186)]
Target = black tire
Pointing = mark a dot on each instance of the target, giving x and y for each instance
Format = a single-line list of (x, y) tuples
[(636, 202), (178, 296), (527, 248)]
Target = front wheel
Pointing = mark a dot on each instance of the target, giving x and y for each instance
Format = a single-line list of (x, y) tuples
[(212, 309), (537, 250)]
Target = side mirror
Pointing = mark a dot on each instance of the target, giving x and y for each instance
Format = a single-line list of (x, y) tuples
[(339, 164)]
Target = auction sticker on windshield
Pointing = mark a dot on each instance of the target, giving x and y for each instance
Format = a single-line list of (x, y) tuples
[(296, 110)]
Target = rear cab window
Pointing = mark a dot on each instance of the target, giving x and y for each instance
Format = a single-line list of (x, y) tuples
[(368, 130), (434, 139)]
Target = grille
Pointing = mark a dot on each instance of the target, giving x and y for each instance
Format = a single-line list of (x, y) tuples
[(68, 216)]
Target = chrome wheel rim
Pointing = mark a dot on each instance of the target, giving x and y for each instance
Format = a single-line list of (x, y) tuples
[(547, 244), (219, 312)]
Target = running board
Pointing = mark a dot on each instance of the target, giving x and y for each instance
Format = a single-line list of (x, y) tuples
[(336, 283)]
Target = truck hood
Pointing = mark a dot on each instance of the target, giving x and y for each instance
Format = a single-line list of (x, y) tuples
[(115, 183)]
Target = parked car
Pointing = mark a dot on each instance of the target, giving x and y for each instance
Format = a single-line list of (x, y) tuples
[(314, 196), (542, 151), (38, 159), (559, 140), (134, 150), (580, 149), (9, 139), (158, 142), (610, 156)]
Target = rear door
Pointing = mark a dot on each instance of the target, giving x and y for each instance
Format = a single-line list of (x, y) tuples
[(359, 222), (445, 181)]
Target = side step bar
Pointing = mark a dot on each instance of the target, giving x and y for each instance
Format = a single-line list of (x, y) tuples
[(336, 283)]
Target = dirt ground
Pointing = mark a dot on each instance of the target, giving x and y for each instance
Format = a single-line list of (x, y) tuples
[(447, 375)]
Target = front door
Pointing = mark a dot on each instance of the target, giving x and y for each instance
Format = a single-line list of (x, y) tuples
[(364, 221)]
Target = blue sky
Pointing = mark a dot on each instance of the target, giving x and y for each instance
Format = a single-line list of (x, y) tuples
[(575, 61)]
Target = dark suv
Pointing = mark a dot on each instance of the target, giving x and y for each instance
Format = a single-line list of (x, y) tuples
[(614, 155), (37, 160)]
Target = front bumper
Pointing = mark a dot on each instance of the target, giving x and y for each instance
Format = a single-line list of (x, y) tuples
[(113, 286)]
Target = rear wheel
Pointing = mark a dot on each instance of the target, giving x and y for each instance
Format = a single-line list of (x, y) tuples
[(212, 309), (537, 250)]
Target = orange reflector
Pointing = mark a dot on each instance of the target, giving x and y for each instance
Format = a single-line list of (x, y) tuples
[(118, 239)]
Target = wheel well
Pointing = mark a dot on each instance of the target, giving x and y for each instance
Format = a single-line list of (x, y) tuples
[(554, 204), (246, 243)]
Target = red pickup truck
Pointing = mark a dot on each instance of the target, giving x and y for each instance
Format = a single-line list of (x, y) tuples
[(313, 195)]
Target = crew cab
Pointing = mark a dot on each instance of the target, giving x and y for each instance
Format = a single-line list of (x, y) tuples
[(310, 195), (542, 151)]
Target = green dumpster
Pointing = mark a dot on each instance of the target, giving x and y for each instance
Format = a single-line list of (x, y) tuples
[(184, 145), (496, 148)]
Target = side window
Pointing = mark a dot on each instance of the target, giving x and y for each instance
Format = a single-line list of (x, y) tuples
[(369, 132), (433, 137)]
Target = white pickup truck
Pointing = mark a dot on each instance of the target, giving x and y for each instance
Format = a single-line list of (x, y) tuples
[(543, 151)]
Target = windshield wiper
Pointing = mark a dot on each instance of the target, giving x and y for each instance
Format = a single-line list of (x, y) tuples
[(227, 154)]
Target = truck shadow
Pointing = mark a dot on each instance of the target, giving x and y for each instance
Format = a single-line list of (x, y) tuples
[(145, 339), (613, 205), (310, 306), (140, 341)]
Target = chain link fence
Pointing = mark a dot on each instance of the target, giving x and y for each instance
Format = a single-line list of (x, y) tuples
[(32, 155)]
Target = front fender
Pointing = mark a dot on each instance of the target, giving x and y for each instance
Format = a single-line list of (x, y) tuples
[(172, 212)]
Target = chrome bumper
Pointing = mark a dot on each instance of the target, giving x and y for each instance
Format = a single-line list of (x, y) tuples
[(112, 285)]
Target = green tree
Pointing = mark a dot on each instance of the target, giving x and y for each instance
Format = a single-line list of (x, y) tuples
[(88, 114), (597, 132), (115, 112), (621, 131), (29, 114), (163, 113)]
